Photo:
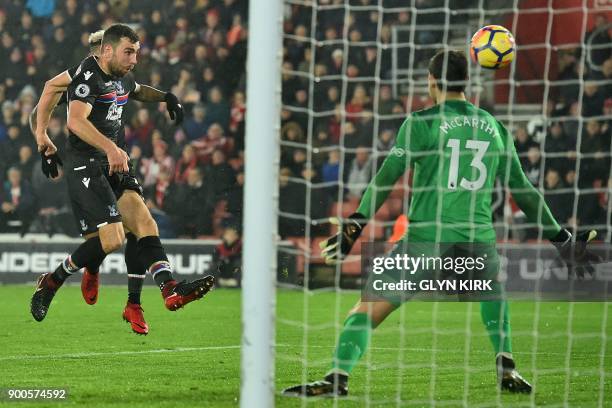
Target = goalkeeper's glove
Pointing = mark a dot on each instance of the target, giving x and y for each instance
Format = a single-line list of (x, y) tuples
[(175, 109), (49, 164), (574, 252), (335, 248)]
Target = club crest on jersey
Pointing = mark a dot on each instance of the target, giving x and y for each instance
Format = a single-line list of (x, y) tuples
[(82, 90), (112, 211)]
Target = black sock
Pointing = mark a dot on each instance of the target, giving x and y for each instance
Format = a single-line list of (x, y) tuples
[(89, 254), (136, 272), (63, 271), (134, 298), (152, 255)]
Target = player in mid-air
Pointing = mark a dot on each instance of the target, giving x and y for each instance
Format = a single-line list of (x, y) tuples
[(97, 172), (456, 151), (54, 94)]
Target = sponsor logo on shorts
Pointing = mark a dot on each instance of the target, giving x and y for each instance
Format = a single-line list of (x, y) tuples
[(83, 225), (87, 75), (86, 181)]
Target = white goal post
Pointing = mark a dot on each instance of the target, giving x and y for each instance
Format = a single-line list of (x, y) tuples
[(260, 202)]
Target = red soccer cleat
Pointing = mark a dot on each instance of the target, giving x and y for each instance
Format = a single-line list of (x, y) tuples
[(133, 314), (89, 286), (181, 293)]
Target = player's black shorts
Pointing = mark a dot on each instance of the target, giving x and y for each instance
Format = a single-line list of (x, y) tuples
[(93, 200), (120, 182)]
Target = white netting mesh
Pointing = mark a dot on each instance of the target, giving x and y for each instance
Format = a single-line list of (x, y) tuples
[(352, 71)]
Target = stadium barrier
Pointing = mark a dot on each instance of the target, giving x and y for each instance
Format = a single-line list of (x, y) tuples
[(23, 259)]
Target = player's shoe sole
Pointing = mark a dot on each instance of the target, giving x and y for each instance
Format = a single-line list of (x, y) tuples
[(133, 314), (89, 286), (42, 297), (187, 292), (321, 388)]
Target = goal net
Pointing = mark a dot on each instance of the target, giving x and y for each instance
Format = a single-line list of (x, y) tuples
[(352, 71)]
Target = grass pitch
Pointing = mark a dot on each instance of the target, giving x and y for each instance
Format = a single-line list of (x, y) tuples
[(424, 354)]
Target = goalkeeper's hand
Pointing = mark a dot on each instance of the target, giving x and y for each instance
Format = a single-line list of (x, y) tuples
[(575, 253), (335, 248), (49, 164), (175, 109)]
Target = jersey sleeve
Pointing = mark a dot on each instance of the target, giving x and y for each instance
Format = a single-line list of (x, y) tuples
[(393, 167), (526, 196), (85, 86), (72, 72), (129, 83)]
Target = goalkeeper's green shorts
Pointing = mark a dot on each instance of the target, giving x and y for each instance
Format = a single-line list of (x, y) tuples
[(443, 271)]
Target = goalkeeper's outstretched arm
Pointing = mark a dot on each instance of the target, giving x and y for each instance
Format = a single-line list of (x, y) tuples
[(335, 248), (393, 167)]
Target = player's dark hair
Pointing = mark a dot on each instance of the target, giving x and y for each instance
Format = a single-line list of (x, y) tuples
[(456, 70), (114, 34)]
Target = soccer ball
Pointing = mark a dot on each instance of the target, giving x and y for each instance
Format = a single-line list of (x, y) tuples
[(493, 47)]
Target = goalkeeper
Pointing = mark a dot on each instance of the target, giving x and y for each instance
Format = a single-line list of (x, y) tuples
[(456, 151)]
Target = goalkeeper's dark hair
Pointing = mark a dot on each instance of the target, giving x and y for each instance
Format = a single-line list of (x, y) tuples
[(114, 34), (454, 64)]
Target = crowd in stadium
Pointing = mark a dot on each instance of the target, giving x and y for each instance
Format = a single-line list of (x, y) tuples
[(193, 174), (567, 155)]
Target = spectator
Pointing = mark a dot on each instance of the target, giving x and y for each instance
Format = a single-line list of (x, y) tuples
[(197, 125), (54, 211), (221, 175), (150, 168), (559, 199), (331, 168), (17, 203), (228, 258), (235, 196), (218, 109), (557, 147), (360, 173), (187, 161), (532, 167), (193, 219), (206, 145), (599, 38), (595, 160)]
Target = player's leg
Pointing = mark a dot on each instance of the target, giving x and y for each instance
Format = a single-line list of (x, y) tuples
[(496, 319), (352, 344), (91, 252), (152, 255), (495, 315), (90, 281), (95, 209), (133, 312)]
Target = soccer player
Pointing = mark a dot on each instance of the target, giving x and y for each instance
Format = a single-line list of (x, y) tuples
[(97, 173), (54, 94), (456, 151)]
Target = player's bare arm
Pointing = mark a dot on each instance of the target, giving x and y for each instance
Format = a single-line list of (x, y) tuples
[(79, 124), (41, 114)]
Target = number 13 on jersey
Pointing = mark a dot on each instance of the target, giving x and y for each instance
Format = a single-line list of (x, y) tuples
[(480, 148)]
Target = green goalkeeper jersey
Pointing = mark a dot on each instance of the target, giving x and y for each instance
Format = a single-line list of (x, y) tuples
[(457, 152)]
